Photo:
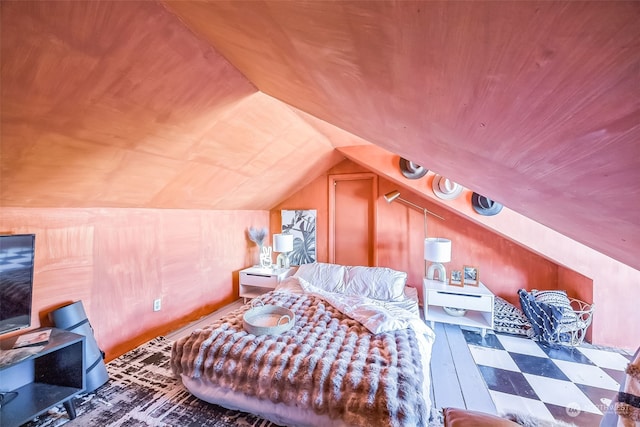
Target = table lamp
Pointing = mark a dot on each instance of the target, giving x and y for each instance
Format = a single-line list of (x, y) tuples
[(282, 243), (437, 250)]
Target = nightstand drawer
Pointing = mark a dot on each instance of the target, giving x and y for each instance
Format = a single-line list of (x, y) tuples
[(259, 280), (470, 302)]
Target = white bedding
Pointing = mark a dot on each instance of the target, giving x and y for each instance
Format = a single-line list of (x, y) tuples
[(377, 316)]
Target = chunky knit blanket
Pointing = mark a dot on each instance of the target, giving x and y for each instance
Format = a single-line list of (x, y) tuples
[(628, 401), (327, 362)]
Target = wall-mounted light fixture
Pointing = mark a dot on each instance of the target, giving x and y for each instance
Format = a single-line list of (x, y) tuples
[(395, 195), (437, 251)]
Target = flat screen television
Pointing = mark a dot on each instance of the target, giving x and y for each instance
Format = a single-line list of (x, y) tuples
[(16, 281)]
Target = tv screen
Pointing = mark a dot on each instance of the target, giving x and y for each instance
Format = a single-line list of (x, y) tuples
[(16, 281)]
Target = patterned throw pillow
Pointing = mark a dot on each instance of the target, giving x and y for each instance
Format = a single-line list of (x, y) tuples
[(508, 318), (558, 299), (544, 318)]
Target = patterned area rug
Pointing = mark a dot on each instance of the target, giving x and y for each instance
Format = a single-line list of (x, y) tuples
[(142, 392)]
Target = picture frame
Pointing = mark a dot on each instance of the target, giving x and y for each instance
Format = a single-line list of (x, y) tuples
[(455, 278), (302, 224), (471, 275)]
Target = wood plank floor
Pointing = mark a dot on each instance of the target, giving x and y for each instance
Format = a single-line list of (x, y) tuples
[(204, 321), (455, 378)]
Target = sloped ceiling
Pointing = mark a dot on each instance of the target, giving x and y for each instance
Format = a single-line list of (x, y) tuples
[(534, 104), (119, 104), (175, 104)]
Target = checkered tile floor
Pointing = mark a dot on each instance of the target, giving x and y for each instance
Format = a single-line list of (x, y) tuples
[(575, 385)]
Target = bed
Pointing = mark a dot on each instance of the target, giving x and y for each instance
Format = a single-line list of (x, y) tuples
[(358, 353)]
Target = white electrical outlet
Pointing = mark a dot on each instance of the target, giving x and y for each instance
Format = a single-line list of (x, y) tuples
[(157, 304)]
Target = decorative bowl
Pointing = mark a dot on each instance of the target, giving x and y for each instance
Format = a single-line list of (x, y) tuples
[(268, 320), (456, 312)]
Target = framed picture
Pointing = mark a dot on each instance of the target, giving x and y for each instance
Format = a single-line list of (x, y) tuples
[(455, 279), (302, 224), (471, 275)]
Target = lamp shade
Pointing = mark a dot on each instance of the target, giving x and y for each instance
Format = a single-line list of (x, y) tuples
[(437, 249), (283, 242)]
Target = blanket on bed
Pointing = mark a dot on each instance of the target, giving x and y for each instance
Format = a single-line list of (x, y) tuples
[(628, 405), (327, 362)]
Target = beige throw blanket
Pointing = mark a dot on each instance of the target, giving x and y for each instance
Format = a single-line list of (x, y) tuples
[(327, 362)]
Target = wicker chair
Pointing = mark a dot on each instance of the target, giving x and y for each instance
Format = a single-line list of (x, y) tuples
[(573, 333), (551, 324)]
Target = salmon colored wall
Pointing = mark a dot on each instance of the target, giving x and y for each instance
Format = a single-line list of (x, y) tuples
[(504, 266), (117, 261), (577, 286), (616, 289), (314, 196)]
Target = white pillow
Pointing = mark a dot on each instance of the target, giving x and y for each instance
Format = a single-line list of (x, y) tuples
[(379, 283), (328, 277)]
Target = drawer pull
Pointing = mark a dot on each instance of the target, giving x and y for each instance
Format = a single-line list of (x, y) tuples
[(460, 295)]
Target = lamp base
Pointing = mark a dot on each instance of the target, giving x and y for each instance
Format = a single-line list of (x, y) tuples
[(282, 261), (438, 268)]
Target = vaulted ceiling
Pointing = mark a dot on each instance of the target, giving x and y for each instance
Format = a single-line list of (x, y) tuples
[(232, 105)]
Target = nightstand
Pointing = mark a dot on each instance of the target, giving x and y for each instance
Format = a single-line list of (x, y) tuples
[(477, 300), (255, 281)]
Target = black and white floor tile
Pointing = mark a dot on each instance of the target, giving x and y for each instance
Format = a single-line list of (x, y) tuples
[(575, 385)]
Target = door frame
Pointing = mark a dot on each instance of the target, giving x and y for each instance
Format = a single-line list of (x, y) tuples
[(333, 181)]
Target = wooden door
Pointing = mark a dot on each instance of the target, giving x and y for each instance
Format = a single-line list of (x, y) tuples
[(352, 213)]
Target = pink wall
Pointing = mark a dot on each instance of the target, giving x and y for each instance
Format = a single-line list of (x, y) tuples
[(504, 266), (577, 286), (117, 261), (616, 286)]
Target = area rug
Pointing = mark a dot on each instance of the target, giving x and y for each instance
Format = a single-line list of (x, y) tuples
[(143, 392)]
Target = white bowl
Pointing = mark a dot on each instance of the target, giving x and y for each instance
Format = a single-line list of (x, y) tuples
[(268, 320), (456, 312)]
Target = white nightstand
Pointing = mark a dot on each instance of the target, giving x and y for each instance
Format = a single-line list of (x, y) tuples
[(478, 301), (255, 281)]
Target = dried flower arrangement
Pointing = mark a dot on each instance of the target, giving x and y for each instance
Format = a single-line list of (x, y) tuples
[(257, 235)]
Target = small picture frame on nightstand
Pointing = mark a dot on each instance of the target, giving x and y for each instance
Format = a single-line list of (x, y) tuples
[(455, 278), (471, 275)]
